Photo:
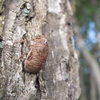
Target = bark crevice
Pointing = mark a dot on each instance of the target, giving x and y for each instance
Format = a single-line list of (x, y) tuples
[(37, 85)]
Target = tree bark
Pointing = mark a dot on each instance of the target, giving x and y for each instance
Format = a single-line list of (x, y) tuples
[(59, 80)]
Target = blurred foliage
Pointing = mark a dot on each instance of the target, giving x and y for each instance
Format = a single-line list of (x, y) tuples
[(87, 9), (87, 14)]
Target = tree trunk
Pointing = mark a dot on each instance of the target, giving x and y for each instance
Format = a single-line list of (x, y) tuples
[(59, 80), (93, 92)]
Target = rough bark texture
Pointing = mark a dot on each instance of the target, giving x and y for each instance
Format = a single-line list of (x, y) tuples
[(59, 80)]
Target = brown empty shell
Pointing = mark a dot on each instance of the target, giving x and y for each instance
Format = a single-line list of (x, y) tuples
[(37, 55)]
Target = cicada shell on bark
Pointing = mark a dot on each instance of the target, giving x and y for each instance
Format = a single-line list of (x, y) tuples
[(37, 55)]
